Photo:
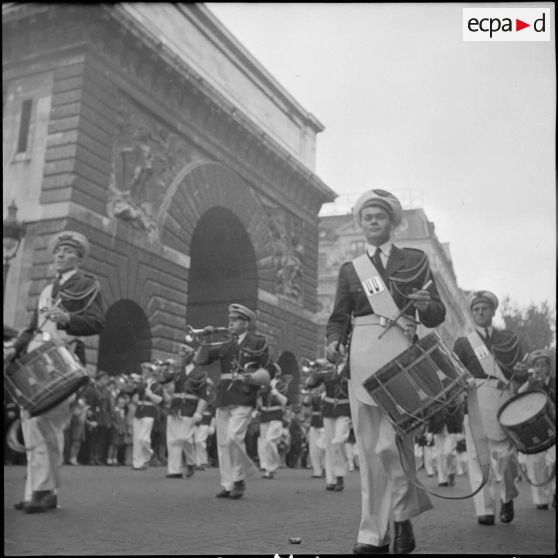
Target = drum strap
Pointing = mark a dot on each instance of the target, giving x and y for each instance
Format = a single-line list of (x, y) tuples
[(481, 447), (485, 357), (375, 289)]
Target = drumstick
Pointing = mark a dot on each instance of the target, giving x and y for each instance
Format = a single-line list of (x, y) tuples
[(403, 310), (56, 303)]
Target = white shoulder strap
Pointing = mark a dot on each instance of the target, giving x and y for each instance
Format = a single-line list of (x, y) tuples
[(485, 357)]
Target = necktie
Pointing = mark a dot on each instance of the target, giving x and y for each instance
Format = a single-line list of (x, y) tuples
[(487, 336), (379, 264), (56, 286)]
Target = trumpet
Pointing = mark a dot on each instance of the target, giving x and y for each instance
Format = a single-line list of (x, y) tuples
[(208, 336)]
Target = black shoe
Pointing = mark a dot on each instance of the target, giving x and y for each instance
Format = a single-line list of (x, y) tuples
[(20, 505), (223, 494), (316, 476), (330, 486), (542, 506), (174, 476), (41, 501), (506, 512), (443, 484), (485, 520), (404, 540), (361, 548), (190, 470), (238, 490), (339, 485), (451, 479)]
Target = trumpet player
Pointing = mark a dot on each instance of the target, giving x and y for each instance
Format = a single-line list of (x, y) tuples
[(242, 362), (271, 404), (187, 406), (336, 414), (316, 445), (148, 394)]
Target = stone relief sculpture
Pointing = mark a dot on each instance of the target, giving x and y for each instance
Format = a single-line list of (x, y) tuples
[(288, 253), (146, 157)]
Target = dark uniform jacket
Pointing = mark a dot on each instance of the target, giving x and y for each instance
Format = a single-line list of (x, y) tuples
[(315, 403), (146, 407), (208, 414), (271, 408), (406, 268), (336, 401), (193, 384), (505, 347), (233, 357), (81, 297)]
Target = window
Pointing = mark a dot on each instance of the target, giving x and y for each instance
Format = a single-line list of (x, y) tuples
[(24, 125), (357, 248)]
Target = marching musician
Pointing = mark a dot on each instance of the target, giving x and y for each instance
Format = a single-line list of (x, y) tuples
[(69, 307), (236, 396), (271, 403), (490, 355), (370, 291), (316, 445), (336, 415), (538, 464), (187, 406), (205, 429), (147, 396)]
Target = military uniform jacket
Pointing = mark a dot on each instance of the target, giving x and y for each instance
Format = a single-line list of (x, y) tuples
[(336, 401), (233, 357), (316, 419), (505, 347), (406, 268), (146, 407), (271, 408), (189, 388), (81, 297)]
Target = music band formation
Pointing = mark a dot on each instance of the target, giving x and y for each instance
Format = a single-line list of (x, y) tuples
[(408, 401)]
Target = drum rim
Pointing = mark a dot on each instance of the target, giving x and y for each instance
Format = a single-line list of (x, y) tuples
[(515, 398)]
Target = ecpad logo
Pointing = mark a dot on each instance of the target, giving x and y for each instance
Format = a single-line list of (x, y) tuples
[(506, 24)]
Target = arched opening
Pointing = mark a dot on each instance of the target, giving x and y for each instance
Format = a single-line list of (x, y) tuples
[(289, 366), (125, 341), (223, 268)]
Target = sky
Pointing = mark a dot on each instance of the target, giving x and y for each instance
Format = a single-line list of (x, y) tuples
[(468, 127)]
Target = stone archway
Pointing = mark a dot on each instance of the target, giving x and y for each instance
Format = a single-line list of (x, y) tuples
[(125, 341), (222, 270), (289, 366)]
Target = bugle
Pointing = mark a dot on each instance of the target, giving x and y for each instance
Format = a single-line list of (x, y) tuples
[(208, 336)]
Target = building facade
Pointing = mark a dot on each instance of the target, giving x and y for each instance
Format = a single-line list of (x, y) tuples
[(149, 128), (341, 240)]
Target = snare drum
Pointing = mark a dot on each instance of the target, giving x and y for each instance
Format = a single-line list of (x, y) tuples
[(44, 377), (529, 419), (424, 380)]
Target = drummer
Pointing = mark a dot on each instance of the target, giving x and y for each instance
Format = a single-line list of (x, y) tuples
[(538, 464), (69, 307), (490, 355), (386, 489)]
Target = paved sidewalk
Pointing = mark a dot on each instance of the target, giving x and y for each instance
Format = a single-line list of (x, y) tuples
[(118, 511)]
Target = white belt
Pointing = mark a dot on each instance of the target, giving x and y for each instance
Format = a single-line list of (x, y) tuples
[(148, 403), (273, 408), (227, 376), (332, 400), (316, 412), (185, 396)]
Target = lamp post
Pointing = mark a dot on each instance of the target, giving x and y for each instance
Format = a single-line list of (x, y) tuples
[(13, 232)]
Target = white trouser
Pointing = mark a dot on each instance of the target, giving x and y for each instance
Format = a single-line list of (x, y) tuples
[(180, 440), (445, 445), (141, 441), (201, 433), (44, 435), (386, 489), (231, 424), (336, 433), (350, 454), (538, 467), (429, 457), (316, 449), (270, 434), (501, 453)]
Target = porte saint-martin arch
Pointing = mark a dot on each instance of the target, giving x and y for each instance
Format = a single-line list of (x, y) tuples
[(190, 169)]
